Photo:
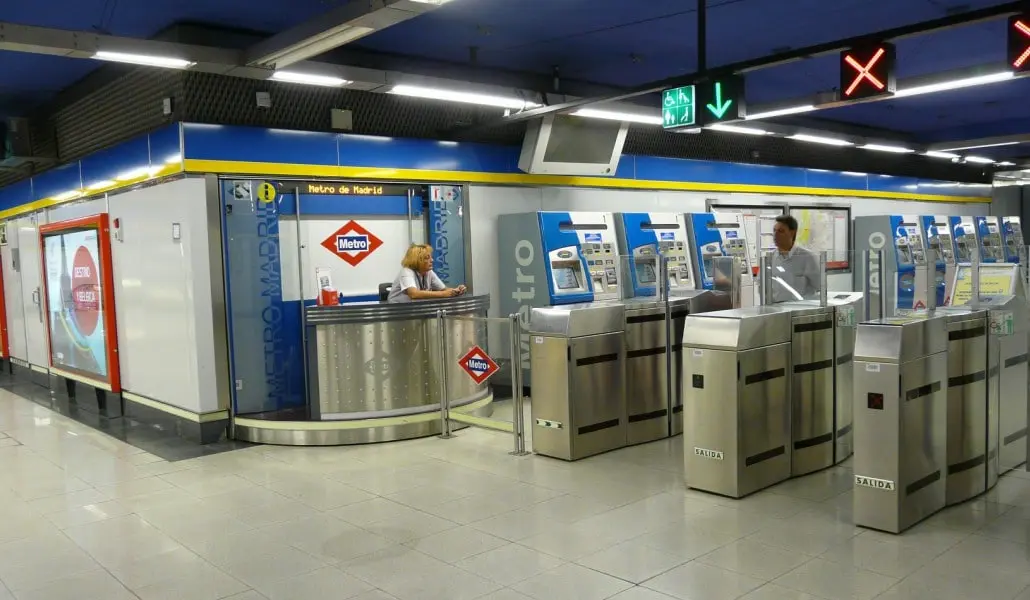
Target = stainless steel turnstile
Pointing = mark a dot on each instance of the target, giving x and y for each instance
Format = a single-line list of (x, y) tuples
[(850, 312), (650, 413), (812, 389), (900, 420), (577, 354), (736, 394), (1007, 323), (969, 364)]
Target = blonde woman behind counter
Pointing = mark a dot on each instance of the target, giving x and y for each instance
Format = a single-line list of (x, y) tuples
[(417, 281)]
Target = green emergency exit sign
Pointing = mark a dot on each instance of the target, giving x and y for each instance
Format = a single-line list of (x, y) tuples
[(679, 108)]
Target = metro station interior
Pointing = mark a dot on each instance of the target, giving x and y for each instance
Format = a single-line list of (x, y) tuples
[(479, 299)]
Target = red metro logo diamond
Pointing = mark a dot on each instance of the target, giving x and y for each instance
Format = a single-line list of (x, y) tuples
[(478, 365), (352, 242)]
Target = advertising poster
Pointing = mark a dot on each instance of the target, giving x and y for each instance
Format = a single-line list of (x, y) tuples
[(75, 302)]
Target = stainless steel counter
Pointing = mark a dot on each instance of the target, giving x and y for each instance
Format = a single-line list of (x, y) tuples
[(374, 373)]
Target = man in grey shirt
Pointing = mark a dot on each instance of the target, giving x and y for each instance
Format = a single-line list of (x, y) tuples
[(792, 265)]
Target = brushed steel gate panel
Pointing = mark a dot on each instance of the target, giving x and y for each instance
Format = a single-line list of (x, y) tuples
[(967, 410), (597, 393), (812, 393)]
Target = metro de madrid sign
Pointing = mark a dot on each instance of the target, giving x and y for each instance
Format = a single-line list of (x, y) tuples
[(352, 243)]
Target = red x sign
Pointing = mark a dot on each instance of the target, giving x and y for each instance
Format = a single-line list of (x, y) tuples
[(867, 71), (1019, 42)]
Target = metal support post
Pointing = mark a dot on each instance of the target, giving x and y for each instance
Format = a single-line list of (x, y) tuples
[(669, 366), (518, 415), (822, 278), (445, 405)]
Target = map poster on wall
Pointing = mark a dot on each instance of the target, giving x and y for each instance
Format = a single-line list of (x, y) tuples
[(79, 300), (826, 229)]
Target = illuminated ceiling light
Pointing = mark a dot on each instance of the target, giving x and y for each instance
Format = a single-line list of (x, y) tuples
[(817, 139), (309, 79), (618, 116), (736, 129), (144, 59), (463, 97), (936, 154), (793, 110), (954, 84), (983, 146), (1006, 163), (437, 2), (855, 174), (886, 148), (100, 185), (173, 159), (980, 160), (68, 195)]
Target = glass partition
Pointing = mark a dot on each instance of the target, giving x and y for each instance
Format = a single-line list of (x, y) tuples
[(793, 277)]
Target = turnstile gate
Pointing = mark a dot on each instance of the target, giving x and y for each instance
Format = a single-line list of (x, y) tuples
[(736, 394), (900, 432)]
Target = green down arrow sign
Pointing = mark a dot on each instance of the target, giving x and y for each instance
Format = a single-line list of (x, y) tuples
[(720, 107)]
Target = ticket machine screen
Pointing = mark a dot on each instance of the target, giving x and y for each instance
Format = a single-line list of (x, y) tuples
[(565, 278), (645, 273)]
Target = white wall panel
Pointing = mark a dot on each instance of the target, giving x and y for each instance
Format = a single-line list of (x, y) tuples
[(30, 256), (379, 267), (487, 202), (163, 295), (13, 303)]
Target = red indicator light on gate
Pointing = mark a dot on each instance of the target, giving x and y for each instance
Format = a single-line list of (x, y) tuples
[(1019, 42), (867, 71)]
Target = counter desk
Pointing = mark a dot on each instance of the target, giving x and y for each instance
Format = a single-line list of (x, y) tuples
[(374, 374)]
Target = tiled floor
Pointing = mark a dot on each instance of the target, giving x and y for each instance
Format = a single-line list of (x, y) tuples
[(84, 516)]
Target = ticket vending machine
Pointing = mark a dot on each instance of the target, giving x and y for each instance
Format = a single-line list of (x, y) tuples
[(939, 241), (645, 236), (992, 248), (904, 269), (714, 235), (963, 231), (573, 256), (1012, 236)]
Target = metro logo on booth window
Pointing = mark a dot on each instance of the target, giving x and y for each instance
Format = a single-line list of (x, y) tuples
[(352, 243), (1019, 42), (867, 71)]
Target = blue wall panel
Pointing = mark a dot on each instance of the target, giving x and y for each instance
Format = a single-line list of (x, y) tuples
[(164, 144), (110, 163), (252, 144), (57, 181), (16, 194)]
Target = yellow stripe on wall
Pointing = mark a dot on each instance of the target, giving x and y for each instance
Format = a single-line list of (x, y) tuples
[(271, 170)]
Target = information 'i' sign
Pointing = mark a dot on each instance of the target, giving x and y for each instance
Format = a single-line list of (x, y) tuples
[(868, 71), (1019, 42)]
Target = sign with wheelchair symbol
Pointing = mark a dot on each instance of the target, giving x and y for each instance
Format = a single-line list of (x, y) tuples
[(478, 364)]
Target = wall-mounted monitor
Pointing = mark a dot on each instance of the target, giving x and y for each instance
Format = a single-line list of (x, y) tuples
[(79, 301), (568, 145)]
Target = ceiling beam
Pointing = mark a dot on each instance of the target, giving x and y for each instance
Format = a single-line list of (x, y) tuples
[(342, 25), (782, 58)]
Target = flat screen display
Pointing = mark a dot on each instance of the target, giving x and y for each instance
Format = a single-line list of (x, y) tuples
[(646, 274), (78, 340), (565, 278)]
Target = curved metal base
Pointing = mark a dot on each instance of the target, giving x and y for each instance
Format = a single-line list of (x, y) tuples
[(341, 433)]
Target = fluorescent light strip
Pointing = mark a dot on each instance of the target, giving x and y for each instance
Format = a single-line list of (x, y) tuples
[(1006, 163), (463, 97), (100, 185), (736, 129), (133, 174), (68, 195), (855, 174), (984, 146), (781, 112), (309, 79), (980, 160), (954, 85), (610, 115), (936, 154), (815, 139), (144, 59), (884, 148)]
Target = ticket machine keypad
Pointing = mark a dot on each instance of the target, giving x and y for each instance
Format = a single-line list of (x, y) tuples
[(604, 270), (679, 265)]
